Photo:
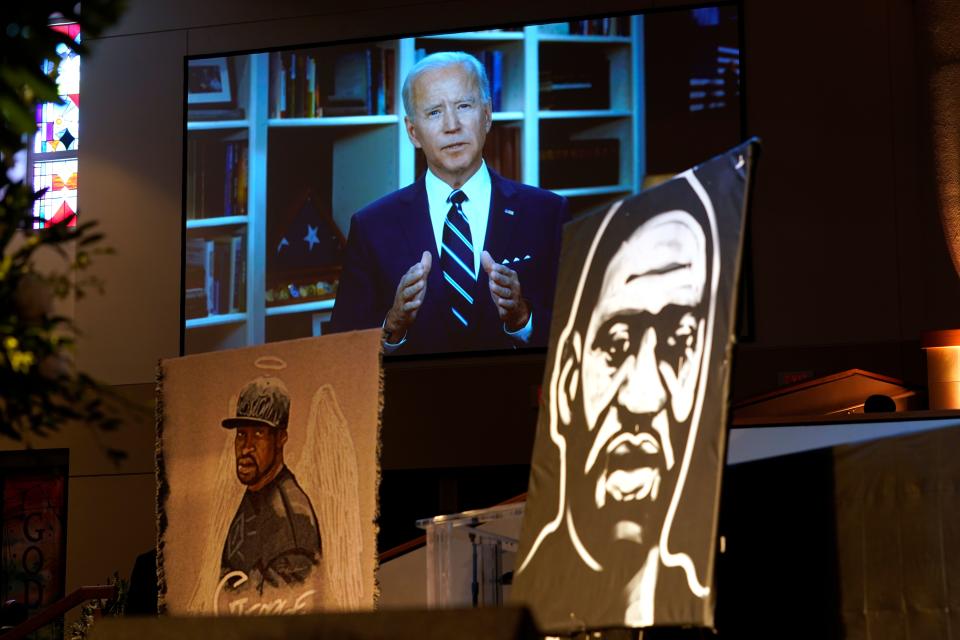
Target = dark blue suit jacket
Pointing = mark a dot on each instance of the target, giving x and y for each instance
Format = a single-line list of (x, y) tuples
[(389, 236)]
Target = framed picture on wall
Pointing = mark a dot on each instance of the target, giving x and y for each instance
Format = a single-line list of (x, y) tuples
[(208, 82)]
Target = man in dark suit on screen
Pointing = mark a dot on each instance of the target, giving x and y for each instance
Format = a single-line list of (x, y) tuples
[(463, 259)]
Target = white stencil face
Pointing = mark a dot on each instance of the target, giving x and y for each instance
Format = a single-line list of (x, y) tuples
[(641, 358), (623, 501)]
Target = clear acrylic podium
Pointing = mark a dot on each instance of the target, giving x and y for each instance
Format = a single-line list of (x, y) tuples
[(470, 556)]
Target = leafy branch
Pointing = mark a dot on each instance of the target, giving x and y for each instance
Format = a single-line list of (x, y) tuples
[(40, 388)]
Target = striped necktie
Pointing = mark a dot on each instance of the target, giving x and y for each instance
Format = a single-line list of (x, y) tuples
[(456, 262)]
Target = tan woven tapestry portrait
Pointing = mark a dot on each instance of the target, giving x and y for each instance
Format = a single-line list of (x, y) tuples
[(267, 472)]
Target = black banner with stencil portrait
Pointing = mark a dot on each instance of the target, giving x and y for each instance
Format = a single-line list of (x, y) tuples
[(267, 470), (621, 521)]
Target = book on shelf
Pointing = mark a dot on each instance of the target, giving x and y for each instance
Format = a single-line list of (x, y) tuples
[(502, 151), (215, 275), (196, 187), (571, 80), (211, 163), (241, 178), (210, 284), (299, 79), (195, 289), (194, 272), (570, 164), (611, 26), (351, 82), (309, 104), (389, 80), (222, 274), (278, 92), (238, 274), (195, 303), (493, 61), (314, 84), (229, 184), (718, 88)]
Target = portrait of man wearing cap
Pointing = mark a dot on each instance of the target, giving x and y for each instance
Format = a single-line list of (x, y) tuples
[(274, 538)]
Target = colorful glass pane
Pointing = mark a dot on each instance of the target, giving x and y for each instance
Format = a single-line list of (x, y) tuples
[(71, 30), (58, 124), (59, 177)]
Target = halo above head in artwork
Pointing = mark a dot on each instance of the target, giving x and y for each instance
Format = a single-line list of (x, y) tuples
[(262, 401)]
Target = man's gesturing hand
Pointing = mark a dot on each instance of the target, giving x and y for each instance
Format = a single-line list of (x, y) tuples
[(407, 301), (505, 291)]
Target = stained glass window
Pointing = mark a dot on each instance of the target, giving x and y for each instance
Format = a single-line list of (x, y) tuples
[(54, 153), (59, 177), (57, 128)]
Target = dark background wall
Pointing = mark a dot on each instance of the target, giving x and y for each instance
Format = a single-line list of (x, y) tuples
[(849, 262), (849, 259)]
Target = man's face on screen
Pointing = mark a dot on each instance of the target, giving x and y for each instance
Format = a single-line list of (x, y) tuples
[(643, 351), (449, 122)]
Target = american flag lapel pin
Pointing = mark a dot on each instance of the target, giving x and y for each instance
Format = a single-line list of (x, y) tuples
[(509, 212)]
